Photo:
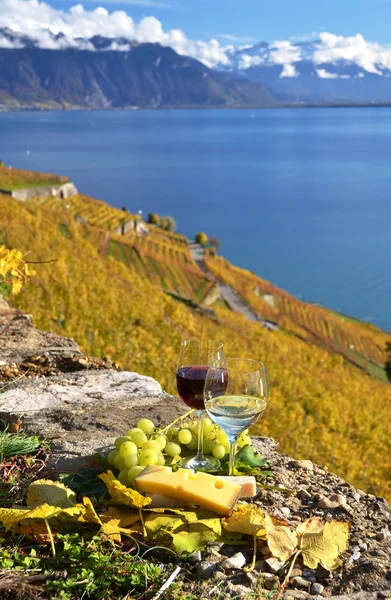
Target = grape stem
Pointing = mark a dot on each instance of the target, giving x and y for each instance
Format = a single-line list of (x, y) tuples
[(177, 420)]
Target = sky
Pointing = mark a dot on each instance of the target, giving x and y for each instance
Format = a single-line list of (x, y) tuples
[(210, 30), (256, 20)]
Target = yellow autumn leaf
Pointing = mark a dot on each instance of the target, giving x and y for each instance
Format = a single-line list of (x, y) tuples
[(111, 529), (318, 543), (10, 517), (282, 541), (324, 546), (87, 512), (51, 492), (16, 286), (126, 515), (121, 493), (247, 519)]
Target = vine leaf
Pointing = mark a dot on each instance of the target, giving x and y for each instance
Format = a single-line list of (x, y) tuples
[(316, 542), (324, 546), (247, 519), (282, 540), (121, 494), (186, 543), (50, 492)]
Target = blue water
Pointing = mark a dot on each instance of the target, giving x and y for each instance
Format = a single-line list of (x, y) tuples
[(300, 196)]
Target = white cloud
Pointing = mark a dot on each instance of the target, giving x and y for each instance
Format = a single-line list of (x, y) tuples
[(323, 74), (284, 53), (370, 56), (246, 61), (40, 22), (289, 71)]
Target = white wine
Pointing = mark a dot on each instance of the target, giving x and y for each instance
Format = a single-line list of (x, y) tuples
[(234, 414)]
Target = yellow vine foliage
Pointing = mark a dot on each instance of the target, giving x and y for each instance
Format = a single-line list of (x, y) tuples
[(13, 269), (320, 407)]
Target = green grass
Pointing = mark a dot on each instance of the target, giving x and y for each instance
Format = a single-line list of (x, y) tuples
[(16, 179)]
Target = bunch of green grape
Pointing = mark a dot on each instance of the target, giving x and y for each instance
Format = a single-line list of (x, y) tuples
[(146, 444)]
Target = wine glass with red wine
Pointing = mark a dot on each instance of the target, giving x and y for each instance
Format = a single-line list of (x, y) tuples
[(194, 360)]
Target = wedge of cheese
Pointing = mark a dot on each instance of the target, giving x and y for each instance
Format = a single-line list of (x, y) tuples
[(247, 484), (208, 491)]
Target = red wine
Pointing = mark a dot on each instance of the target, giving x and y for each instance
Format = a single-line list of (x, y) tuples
[(190, 383)]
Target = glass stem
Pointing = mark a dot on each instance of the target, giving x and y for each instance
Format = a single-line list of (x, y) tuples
[(200, 447), (232, 452)]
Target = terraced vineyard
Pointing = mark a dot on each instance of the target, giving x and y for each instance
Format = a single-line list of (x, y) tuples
[(360, 343), (163, 259), (14, 179), (94, 212)]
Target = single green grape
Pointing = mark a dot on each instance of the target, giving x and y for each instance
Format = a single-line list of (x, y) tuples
[(133, 430), (221, 437), (208, 425), (152, 445), (119, 462), (173, 449), (218, 451), (184, 436), (147, 457), (133, 472), (111, 456), (127, 448), (172, 434), (146, 425), (131, 460), (208, 445), (193, 444), (120, 440), (139, 438), (123, 477), (162, 441), (160, 460)]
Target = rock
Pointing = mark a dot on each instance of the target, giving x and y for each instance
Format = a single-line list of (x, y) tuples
[(322, 572), (270, 581), (334, 501), (317, 589), (309, 573), (304, 464), (382, 535), (300, 583), (237, 561), (285, 511), (296, 572), (195, 557), (303, 494), (205, 569), (274, 565)]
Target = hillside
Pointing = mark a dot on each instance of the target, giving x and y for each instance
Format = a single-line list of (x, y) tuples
[(147, 75), (109, 292)]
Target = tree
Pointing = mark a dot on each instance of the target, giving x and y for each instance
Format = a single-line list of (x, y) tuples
[(387, 366), (215, 243), (154, 219), (169, 224), (201, 238)]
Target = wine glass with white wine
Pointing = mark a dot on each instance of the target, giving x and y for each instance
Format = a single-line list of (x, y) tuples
[(238, 401)]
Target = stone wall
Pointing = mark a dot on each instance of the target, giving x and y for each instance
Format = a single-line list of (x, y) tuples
[(61, 191)]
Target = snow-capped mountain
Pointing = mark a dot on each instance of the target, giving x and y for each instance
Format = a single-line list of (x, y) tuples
[(328, 69)]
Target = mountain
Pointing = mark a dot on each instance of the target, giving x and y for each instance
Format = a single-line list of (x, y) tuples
[(145, 75), (315, 72)]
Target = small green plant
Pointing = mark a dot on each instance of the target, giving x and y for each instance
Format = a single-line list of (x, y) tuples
[(17, 444), (154, 219), (201, 238)]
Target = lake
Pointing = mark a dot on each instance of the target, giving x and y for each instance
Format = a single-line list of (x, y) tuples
[(300, 196)]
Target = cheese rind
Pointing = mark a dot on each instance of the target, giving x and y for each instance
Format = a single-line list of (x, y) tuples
[(247, 483), (208, 491)]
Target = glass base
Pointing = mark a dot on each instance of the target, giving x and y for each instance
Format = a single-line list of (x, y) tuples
[(201, 463)]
